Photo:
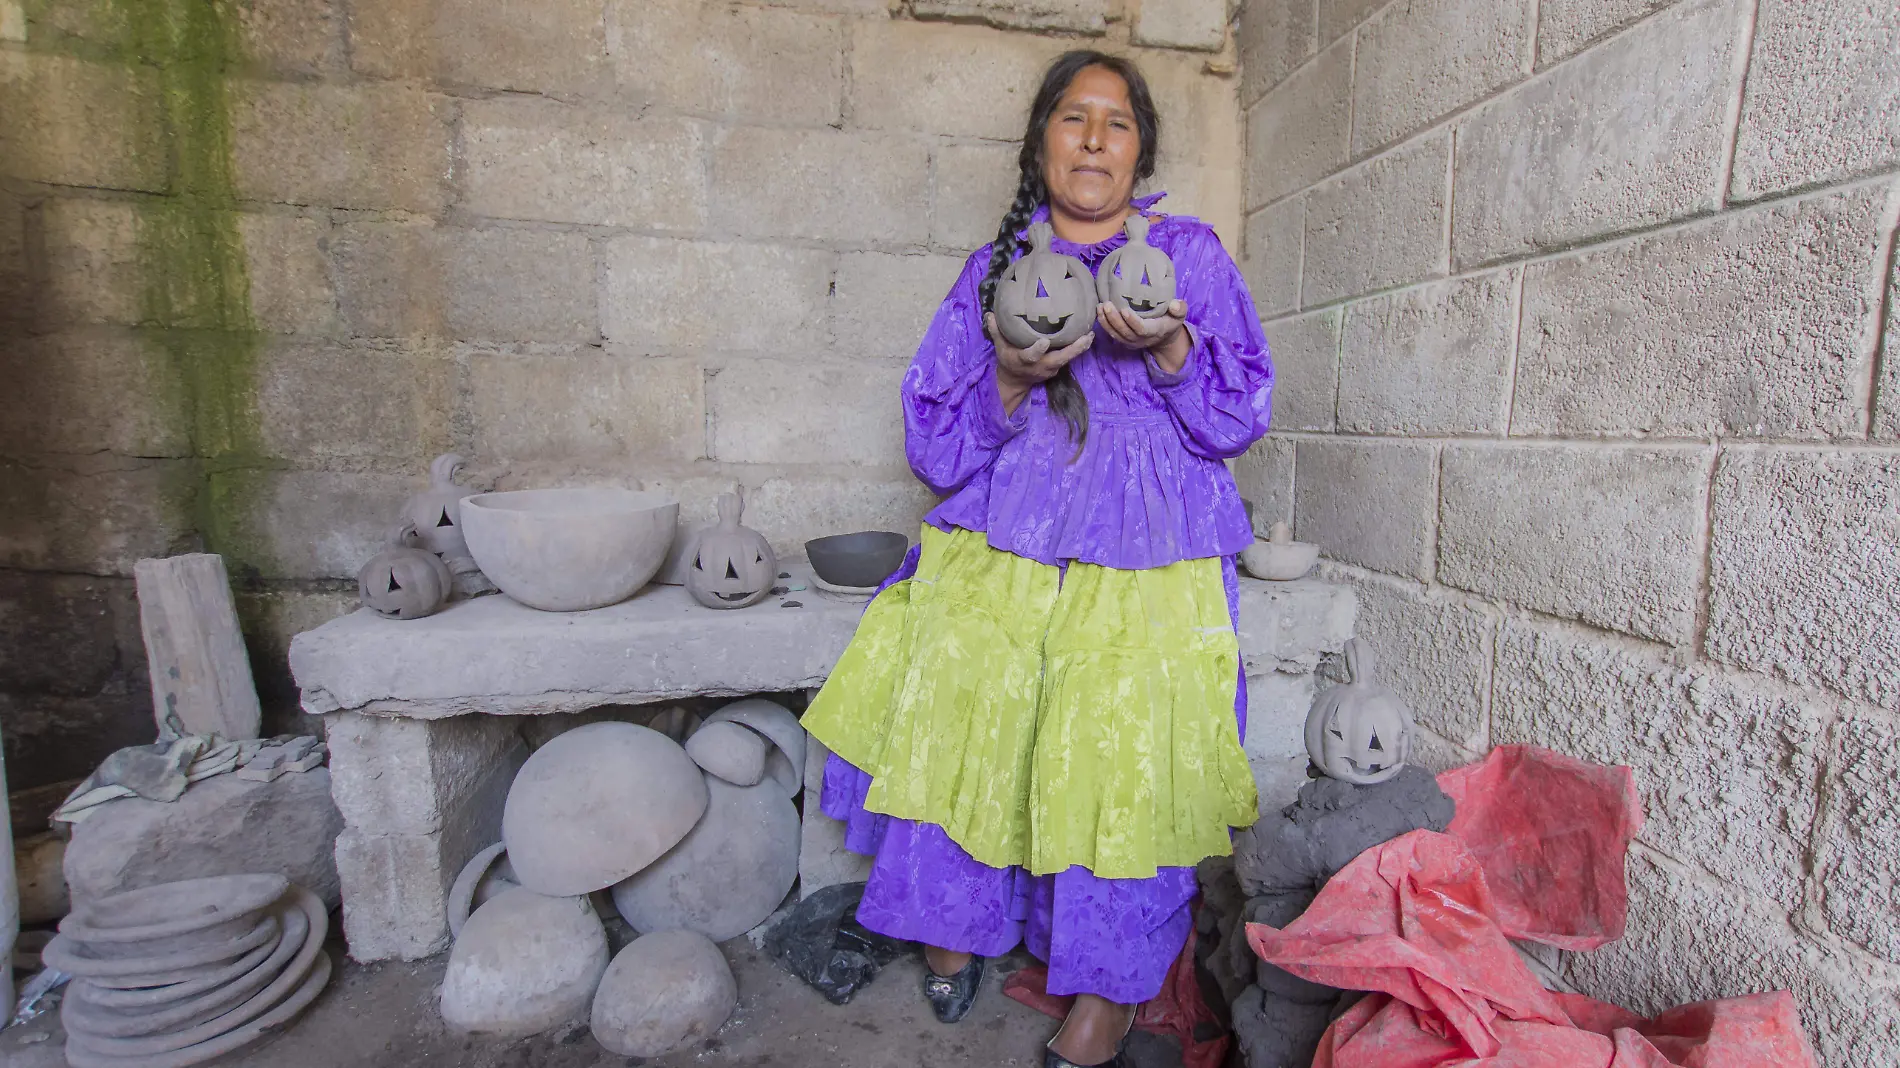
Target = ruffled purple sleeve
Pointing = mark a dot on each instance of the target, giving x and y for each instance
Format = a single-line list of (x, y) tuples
[(1222, 397), (954, 423)]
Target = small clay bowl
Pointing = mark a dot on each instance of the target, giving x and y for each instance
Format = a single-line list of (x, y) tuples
[(857, 560)]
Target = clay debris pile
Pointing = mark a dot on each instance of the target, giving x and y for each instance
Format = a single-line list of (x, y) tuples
[(181, 973), (692, 844)]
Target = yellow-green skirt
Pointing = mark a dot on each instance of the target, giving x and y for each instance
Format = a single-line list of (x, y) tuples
[(1047, 721)]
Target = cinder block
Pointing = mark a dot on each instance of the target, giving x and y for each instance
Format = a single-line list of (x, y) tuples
[(688, 296), (1435, 359), (536, 46), (804, 412), (376, 146), (95, 514), (1728, 771), (1566, 26), (520, 285), (73, 122), (1305, 351), (321, 402), (60, 634), (1277, 703), (552, 162), (1274, 37), (1370, 503), (294, 38), (961, 81), (91, 264), (93, 390), (882, 303), (972, 187), (1339, 17), (790, 511), (1265, 477), (1200, 25), (1296, 134), (289, 275), (823, 185), (322, 524), (1692, 940), (1434, 647), (1823, 97), (1802, 569), (766, 65), (1755, 323), (1378, 225), (389, 278), (409, 776), (1611, 536), (1074, 16), (588, 403), (1861, 873), (1271, 256), (1422, 60), (822, 858), (1558, 160)]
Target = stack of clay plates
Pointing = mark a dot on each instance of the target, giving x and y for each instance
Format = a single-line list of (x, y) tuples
[(178, 974)]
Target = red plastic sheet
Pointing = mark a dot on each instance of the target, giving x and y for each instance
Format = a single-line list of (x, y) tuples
[(1423, 922), (1178, 1011)]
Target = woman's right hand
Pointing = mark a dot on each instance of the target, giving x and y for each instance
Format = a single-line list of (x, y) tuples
[(1018, 370)]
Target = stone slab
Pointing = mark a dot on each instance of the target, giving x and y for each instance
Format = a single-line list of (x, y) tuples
[(1297, 134), (1565, 27), (497, 656), (822, 858), (1379, 225), (1270, 261), (1274, 38), (1860, 877), (1265, 477), (1305, 351), (1434, 647), (759, 64), (1073, 16), (1423, 59), (1373, 503), (1434, 359), (1200, 25)]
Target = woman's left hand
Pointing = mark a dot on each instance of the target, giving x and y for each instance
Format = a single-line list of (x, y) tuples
[(1164, 335)]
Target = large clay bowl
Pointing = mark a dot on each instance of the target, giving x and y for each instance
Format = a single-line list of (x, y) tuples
[(568, 550), (857, 560)]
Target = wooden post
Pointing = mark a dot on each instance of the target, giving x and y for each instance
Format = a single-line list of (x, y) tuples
[(194, 649)]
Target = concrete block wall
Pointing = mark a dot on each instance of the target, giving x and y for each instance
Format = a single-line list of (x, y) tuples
[(1584, 319), (260, 262)]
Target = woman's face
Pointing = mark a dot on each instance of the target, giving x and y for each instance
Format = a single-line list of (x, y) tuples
[(1091, 148)]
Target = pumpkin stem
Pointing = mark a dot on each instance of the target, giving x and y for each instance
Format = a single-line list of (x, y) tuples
[(404, 536), (731, 508), (1360, 662), (1041, 236), (1137, 226), (442, 471)]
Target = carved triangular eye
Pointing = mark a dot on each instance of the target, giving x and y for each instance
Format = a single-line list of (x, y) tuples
[(393, 584), (445, 521), (1374, 744), (1335, 733), (1144, 277), (731, 572), (1040, 291)]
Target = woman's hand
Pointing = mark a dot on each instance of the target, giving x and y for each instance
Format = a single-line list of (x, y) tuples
[(1018, 370), (1163, 335)]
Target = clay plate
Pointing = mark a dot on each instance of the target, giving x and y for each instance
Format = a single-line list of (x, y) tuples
[(75, 957), (171, 909)]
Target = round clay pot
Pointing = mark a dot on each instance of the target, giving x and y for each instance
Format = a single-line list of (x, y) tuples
[(525, 963), (728, 875), (568, 550), (663, 991), (729, 752), (597, 804), (857, 561)]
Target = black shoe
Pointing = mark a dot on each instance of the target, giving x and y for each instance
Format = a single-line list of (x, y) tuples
[(951, 996), (1052, 1059)]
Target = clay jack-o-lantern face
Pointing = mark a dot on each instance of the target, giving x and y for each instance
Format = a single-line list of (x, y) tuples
[(437, 511), (732, 566), (1359, 732), (1044, 295), (1137, 277), (404, 581)]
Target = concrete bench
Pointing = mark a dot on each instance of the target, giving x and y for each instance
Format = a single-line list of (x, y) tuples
[(423, 749)]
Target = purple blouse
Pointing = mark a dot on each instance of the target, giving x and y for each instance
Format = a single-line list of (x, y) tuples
[(1149, 488)]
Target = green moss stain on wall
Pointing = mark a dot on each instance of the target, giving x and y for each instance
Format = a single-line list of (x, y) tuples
[(193, 268)]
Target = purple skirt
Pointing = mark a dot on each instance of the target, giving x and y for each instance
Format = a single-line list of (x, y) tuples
[(1115, 938)]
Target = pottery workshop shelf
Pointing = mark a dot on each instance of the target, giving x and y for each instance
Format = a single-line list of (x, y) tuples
[(421, 714)]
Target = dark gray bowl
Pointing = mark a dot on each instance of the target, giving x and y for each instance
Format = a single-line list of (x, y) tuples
[(857, 560)]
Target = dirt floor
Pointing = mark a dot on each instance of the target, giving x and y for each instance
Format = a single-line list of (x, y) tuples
[(385, 1015)]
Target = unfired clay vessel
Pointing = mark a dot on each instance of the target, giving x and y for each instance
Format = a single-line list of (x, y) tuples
[(437, 511), (597, 804), (782, 729), (1137, 277), (733, 566), (525, 963), (1044, 295), (662, 992), (568, 550), (728, 875), (1360, 731), (1278, 557), (404, 581), (729, 752)]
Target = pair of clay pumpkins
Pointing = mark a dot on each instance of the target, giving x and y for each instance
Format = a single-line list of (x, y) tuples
[(1045, 295), (409, 580)]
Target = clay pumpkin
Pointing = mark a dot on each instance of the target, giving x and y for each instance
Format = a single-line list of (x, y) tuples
[(732, 566), (1044, 295), (1137, 277), (404, 581), (1359, 732), (437, 511)]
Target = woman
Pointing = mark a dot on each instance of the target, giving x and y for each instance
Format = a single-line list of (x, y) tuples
[(1036, 730)]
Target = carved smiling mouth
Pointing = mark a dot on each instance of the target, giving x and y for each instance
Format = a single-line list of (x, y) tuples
[(1046, 326), (1143, 307), (732, 596), (1364, 769)]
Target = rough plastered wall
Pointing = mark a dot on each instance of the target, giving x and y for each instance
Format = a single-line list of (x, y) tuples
[(260, 260), (1578, 307)]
